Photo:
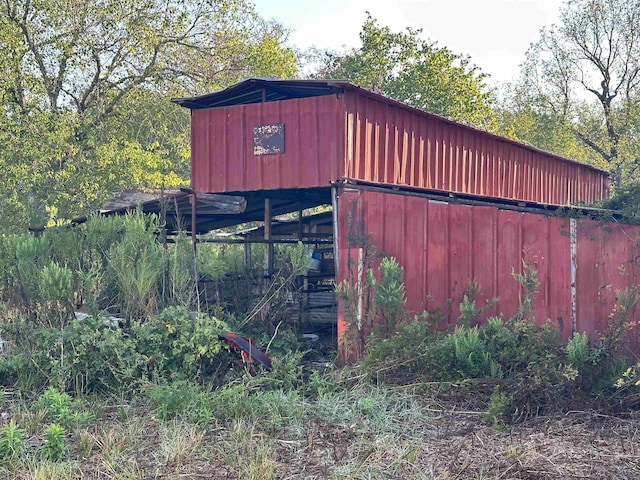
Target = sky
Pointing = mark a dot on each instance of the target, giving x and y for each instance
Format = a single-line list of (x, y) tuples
[(494, 33)]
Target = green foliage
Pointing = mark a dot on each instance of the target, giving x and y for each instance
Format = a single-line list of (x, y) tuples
[(618, 324), (578, 350), (54, 448), (56, 291), (168, 401), (100, 358), (472, 358), (273, 409), (529, 282), (469, 313), (60, 409), (630, 379), (414, 71), (521, 118), (12, 443), (89, 356), (56, 404), (389, 296), (231, 280), (179, 284), (579, 78), (319, 384), (286, 373), (499, 405), (527, 361), (177, 344), (373, 302), (626, 202), (81, 122), (408, 351), (135, 264)]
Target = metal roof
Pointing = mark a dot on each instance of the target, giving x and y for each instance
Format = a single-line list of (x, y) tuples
[(257, 90)]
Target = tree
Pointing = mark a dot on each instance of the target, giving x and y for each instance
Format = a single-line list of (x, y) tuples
[(414, 71), (585, 72), (519, 118), (86, 85)]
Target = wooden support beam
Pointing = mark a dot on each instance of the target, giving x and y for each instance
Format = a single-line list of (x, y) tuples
[(268, 249), (194, 218), (247, 254)]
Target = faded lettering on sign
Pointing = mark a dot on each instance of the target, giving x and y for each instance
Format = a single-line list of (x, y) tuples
[(268, 139)]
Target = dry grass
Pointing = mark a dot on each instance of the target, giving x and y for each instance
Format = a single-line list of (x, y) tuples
[(353, 433)]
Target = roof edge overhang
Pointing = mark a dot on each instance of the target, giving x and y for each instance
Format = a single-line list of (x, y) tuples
[(259, 90)]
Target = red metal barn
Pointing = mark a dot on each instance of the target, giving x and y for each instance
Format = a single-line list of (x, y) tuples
[(581, 263), (450, 202)]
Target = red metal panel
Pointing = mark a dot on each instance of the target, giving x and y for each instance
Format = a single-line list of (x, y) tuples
[(509, 246), (558, 285), (443, 246), (222, 146), (607, 264), (535, 250), (485, 255), (588, 281), (437, 254), (460, 259), (360, 135), (457, 158)]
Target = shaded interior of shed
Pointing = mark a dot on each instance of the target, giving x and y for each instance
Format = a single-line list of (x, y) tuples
[(282, 217), (267, 218)]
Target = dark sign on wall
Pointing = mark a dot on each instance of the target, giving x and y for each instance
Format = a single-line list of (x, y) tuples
[(268, 139)]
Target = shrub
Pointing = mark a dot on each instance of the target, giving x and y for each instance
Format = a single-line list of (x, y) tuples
[(135, 265), (373, 303), (500, 405), (177, 344), (100, 358), (578, 350), (411, 350), (170, 400), (54, 448), (57, 406), (11, 442)]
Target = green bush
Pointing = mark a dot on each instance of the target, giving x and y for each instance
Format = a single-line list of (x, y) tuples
[(578, 350), (168, 401), (176, 344), (100, 358), (12, 443), (500, 406), (135, 267), (54, 448), (409, 351)]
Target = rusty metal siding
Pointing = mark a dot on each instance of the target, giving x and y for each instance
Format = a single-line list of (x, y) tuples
[(442, 246), (393, 145), (222, 158), (365, 137)]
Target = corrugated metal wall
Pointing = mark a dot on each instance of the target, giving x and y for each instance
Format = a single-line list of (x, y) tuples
[(222, 158), (364, 137), (393, 145), (442, 246)]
